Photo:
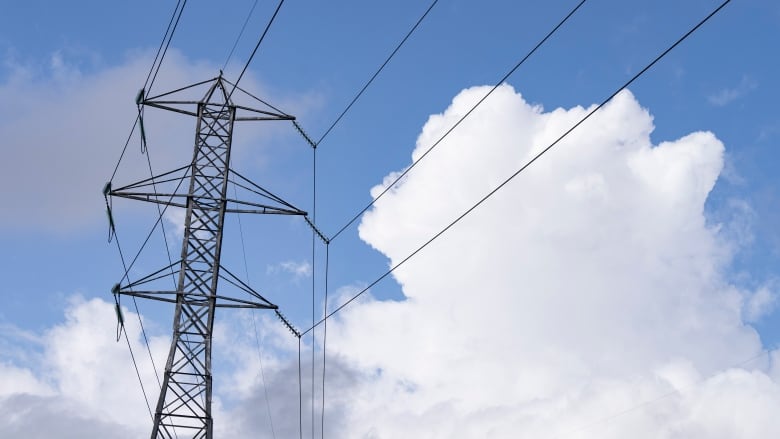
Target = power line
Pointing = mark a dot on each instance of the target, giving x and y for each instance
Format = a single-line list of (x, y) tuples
[(262, 377), (148, 235), (435, 144), (257, 46), (527, 164), (167, 44), (138, 313), (124, 148), (159, 209), (168, 35), (254, 323), (313, 277), (243, 27), (140, 381), (300, 393), (392, 54), (143, 332), (324, 340)]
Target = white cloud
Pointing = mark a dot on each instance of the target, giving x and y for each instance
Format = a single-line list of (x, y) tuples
[(14, 380), (30, 416), (561, 299), (760, 303), (65, 130), (175, 218), (298, 270), (58, 171), (85, 378), (85, 386)]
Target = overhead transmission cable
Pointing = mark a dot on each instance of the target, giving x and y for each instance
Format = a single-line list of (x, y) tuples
[(379, 70), (324, 340), (254, 323), (527, 164), (169, 31), (176, 13), (135, 365), (120, 329), (313, 277), (241, 230), (312, 223), (148, 82), (330, 128), (300, 393), (240, 34), (257, 46), (452, 128)]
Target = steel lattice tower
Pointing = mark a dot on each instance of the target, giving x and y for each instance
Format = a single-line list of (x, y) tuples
[(183, 409)]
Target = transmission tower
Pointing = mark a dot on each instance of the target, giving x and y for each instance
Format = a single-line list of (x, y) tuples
[(183, 408)]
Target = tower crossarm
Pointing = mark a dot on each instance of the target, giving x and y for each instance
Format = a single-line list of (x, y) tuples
[(180, 200)]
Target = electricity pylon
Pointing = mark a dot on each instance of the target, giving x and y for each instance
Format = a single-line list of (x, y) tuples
[(184, 406)]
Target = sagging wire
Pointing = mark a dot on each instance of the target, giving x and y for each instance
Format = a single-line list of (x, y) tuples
[(324, 339), (379, 70), (254, 323), (240, 33), (506, 76), (526, 165)]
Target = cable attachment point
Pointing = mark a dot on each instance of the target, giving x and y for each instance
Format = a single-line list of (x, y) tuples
[(139, 101), (143, 130), (111, 227), (139, 98), (305, 136), (316, 230), (287, 324), (120, 318)]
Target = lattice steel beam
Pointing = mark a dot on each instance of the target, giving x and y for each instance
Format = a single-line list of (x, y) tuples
[(184, 405)]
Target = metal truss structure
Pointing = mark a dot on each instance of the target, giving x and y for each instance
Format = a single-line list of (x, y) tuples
[(184, 406)]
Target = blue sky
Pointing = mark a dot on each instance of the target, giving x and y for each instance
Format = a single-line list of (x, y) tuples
[(69, 75)]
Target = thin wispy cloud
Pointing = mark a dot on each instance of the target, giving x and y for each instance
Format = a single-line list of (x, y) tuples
[(298, 270), (726, 96)]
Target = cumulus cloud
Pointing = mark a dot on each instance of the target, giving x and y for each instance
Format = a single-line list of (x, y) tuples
[(84, 381), (563, 297)]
